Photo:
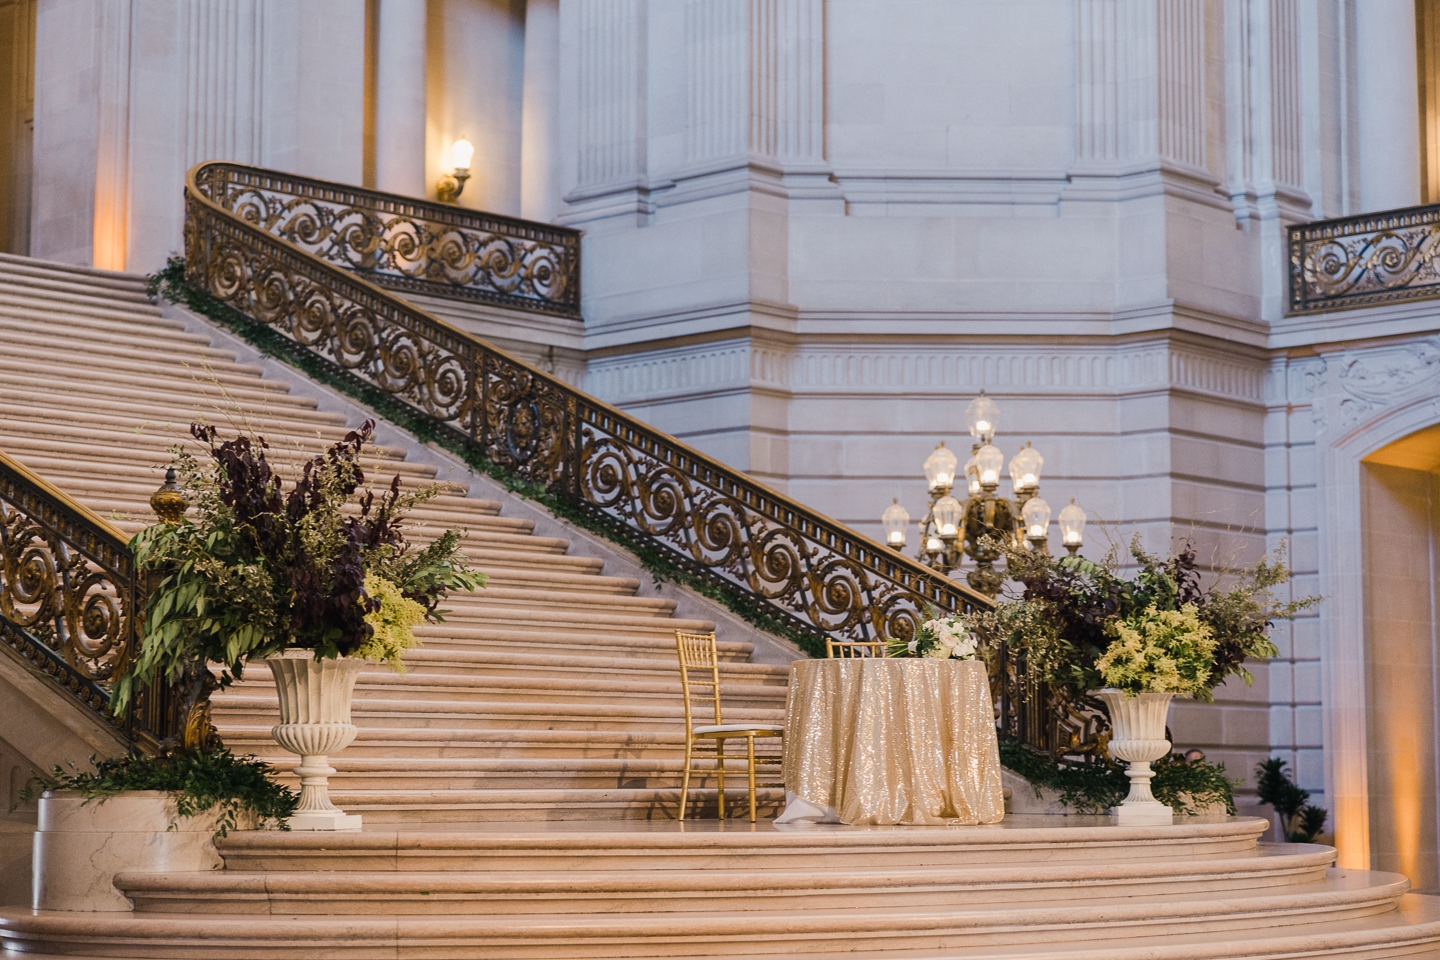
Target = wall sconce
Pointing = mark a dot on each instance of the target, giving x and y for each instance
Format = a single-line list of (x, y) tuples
[(451, 185)]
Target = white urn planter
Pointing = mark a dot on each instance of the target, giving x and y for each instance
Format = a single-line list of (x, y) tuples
[(80, 845), (1137, 725), (315, 723)]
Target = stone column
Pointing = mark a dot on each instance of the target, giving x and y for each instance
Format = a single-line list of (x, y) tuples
[(1388, 104), (540, 118), (400, 98)]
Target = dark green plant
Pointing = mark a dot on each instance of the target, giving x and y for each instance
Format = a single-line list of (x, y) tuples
[(1072, 611), (1300, 821), (201, 780), (1095, 785), (170, 283), (262, 567)]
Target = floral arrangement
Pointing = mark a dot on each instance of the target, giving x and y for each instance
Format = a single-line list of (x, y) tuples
[(939, 638), (322, 565), (1083, 626)]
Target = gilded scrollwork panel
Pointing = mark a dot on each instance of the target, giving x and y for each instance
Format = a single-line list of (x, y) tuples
[(1367, 260), (410, 245), (67, 597)]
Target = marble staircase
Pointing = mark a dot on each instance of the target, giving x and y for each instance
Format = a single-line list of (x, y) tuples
[(518, 780), (553, 692)]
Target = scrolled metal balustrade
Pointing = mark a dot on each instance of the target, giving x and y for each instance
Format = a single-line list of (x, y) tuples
[(1366, 260), (70, 601), (407, 245), (277, 250)]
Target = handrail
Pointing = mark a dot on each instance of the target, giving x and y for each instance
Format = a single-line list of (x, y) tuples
[(649, 489), (1364, 260), (409, 245), (70, 599)]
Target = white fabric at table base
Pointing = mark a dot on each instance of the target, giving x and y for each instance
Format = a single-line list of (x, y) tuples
[(801, 811)]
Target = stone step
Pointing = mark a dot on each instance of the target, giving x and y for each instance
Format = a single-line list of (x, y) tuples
[(98, 325), (427, 774), (474, 683), (16, 269), (149, 415), (455, 715), (663, 665), (81, 443), (739, 888), (716, 933), (64, 298), (425, 742), (118, 339), (101, 385), (132, 366), (140, 413), (558, 581), (820, 848)]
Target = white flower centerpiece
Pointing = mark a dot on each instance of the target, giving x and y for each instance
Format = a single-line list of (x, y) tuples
[(940, 638)]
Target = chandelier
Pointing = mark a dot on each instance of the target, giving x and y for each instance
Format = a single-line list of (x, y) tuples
[(982, 525)]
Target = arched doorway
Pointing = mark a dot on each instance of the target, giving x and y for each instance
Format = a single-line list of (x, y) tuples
[(1400, 508)]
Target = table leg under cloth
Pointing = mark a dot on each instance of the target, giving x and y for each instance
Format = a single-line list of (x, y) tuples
[(891, 741)]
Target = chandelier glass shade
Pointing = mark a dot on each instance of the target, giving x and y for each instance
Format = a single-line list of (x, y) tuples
[(982, 524)]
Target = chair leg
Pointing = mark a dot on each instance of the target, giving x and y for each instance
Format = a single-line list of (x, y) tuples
[(750, 744), (685, 780), (720, 774)]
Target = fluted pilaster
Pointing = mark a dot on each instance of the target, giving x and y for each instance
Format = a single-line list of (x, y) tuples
[(610, 130)]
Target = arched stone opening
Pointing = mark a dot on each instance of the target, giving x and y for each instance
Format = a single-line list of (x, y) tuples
[(1400, 516), (1379, 590)]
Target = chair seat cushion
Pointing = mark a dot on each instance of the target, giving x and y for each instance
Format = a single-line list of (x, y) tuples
[(738, 728)]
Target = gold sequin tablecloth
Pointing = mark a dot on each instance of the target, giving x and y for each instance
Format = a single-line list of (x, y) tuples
[(882, 741)]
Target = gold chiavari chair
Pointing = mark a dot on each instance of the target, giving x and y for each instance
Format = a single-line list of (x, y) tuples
[(698, 654), (845, 649)]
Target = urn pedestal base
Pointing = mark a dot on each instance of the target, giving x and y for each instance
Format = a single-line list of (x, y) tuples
[(1137, 725), (328, 820), (314, 723)]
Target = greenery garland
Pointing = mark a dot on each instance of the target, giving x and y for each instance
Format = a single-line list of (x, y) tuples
[(1082, 785), (200, 780), (1094, 786), (171, 284)]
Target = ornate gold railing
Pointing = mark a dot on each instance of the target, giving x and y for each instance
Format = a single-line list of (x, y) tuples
[(1361, 261), (408, 245), (650, 490), (70, 603)]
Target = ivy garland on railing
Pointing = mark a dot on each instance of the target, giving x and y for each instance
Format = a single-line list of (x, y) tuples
[(1088, 785), (170, 284)]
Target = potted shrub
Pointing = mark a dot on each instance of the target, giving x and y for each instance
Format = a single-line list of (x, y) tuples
[(142, 813), (312, 577), (1135, 644)]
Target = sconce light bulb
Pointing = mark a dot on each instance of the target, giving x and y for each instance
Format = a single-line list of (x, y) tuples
[(461, 153)]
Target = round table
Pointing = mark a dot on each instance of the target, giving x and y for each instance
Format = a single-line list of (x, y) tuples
[(875, 740)]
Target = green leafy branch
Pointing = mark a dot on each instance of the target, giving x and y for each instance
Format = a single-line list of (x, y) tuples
[(200, 780)]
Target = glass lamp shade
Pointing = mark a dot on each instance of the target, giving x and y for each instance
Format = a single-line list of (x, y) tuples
[(972, 475), (895, 520), (982, 414), (1037, 518), (461, 152), (1025, 470), (947, 516), (988, 461), (1072, 524), (940, 468)]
